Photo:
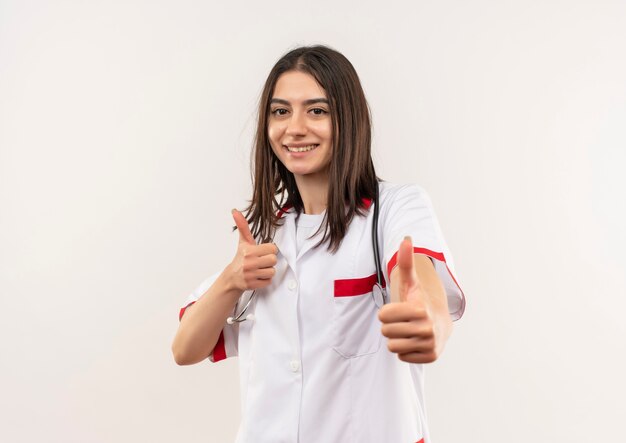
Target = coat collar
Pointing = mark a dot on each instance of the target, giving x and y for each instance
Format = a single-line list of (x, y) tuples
[(285, 237)]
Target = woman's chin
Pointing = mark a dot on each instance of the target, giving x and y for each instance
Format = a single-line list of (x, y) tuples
[(308, 172)]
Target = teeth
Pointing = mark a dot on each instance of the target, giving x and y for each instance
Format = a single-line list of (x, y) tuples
[(301, 149)]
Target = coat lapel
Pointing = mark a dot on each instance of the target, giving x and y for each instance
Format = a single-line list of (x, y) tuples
[(285, 239), (310, 243)]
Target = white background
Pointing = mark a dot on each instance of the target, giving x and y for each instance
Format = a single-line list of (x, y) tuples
[(125, 132)]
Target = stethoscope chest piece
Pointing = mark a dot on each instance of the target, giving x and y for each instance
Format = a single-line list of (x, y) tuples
[(239, 318), (379, 294)]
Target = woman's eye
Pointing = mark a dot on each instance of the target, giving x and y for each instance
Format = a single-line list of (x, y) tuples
[(318, 111), (279, 111)]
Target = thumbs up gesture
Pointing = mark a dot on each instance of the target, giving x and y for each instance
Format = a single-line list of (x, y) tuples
[(253, 265), (408, 323)]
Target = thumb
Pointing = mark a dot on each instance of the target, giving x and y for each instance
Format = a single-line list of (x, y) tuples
[(406, 268), (245, 236)]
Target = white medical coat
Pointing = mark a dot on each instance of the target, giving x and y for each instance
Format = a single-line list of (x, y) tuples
[(314, 366)]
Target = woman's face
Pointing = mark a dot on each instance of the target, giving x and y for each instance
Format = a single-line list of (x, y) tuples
[(299, 125)]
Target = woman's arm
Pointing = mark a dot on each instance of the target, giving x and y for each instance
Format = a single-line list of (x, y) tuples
[(417, 324), (200, 327), (203, 321)]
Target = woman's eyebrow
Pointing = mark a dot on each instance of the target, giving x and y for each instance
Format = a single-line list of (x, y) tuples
[(310, 101)]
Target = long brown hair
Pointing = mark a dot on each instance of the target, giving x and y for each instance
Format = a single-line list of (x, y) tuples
[(351, 172)]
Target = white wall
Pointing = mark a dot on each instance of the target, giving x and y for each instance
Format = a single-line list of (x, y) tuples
[(125, 130)]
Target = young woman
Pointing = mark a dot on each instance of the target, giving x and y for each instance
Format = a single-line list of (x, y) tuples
[(321, 357)]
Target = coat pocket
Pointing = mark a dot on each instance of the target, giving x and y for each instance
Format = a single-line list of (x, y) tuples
[(356, 327)]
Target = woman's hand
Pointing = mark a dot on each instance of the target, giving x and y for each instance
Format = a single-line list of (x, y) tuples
[(253, 265), (418, 326)]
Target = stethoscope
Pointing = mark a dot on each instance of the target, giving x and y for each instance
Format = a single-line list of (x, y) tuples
[(379, 292)]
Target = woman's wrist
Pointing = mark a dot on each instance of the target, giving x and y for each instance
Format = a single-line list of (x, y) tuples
[(228, 283)]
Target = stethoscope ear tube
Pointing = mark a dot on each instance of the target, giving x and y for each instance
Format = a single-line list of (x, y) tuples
[(378, 291)]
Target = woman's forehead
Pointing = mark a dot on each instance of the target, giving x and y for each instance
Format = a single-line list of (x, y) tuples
[(294, 86)]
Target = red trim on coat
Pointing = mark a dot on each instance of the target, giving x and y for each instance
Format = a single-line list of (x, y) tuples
[(182, 311), (219, 351), (394, 260), (367, 202), (355, 286), (436, 255), (421, 441), (282, 211)]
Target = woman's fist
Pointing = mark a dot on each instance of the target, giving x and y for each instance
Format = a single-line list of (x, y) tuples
[(408, 324), (253, 265)]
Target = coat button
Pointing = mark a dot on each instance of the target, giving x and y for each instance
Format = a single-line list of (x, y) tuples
[(294, 365), (292, 284)]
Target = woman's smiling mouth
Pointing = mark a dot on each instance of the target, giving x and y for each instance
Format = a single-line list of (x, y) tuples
[(301, 148)]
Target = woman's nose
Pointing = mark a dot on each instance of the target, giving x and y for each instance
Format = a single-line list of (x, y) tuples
[(296, 124)]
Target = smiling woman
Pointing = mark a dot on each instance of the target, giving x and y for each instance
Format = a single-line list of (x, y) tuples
[(312, 96), (310, 328)]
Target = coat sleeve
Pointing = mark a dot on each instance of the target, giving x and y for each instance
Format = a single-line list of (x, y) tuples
[(407, 210), (227, 344)]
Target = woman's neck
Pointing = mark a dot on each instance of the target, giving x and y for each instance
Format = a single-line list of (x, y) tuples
[(313, 190)]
